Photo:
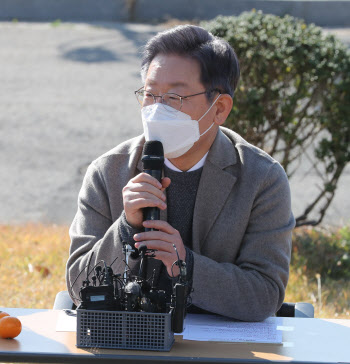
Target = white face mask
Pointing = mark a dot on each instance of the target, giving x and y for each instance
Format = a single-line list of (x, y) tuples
[(175, 129)]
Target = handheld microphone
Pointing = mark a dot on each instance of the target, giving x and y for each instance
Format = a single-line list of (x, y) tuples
[(153, 162)]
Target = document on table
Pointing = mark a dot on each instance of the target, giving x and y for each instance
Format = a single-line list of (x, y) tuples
[(67, 321), (218, 328)]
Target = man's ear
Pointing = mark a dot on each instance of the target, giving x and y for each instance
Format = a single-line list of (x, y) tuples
[(223, 108)]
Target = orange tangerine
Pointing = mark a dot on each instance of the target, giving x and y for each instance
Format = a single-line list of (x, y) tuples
[(3, 314), (10, 327)]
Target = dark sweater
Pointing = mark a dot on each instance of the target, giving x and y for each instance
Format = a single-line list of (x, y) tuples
[(181, 198)]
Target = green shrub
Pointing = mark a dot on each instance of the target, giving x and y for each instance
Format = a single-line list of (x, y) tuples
[(316, 251), (294, 90)]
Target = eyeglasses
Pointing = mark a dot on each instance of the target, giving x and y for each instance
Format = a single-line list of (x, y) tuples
[(173, 100)]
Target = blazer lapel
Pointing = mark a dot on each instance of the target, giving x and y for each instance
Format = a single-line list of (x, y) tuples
[(214, 188)]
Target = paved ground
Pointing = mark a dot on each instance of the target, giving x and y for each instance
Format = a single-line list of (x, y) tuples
[(66, 97)]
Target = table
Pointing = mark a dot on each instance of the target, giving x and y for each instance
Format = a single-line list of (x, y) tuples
[(304, 340)]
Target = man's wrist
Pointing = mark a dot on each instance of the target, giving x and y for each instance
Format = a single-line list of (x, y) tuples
[(131, 223), (127, 231)]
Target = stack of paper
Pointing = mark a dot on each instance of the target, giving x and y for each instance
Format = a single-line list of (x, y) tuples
[(218, 328)]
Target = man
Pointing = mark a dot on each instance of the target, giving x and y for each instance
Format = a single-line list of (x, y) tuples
[(224, 203)]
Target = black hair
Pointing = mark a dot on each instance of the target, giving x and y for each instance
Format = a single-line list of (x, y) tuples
[(218, 61)]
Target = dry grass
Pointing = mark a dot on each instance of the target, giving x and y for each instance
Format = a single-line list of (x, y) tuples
[(32, 266), (331, 298)]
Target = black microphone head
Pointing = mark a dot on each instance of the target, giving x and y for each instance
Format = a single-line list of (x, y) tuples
[(153, 155), (142, 248), (153, 147)]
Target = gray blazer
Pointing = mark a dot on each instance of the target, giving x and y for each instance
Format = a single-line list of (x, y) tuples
[(242, 225)]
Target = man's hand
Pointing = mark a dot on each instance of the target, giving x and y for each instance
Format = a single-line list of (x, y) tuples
[(163, 241), (143, 191)]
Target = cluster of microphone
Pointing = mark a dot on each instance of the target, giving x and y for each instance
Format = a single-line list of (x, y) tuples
[(137, 292)]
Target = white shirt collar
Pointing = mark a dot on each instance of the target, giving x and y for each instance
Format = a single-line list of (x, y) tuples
[(198, 165)]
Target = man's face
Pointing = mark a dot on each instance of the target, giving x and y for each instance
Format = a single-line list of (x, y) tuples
[(180, 75)]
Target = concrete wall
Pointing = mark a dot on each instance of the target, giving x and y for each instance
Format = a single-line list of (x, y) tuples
[(65, 10), (324, 13)]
